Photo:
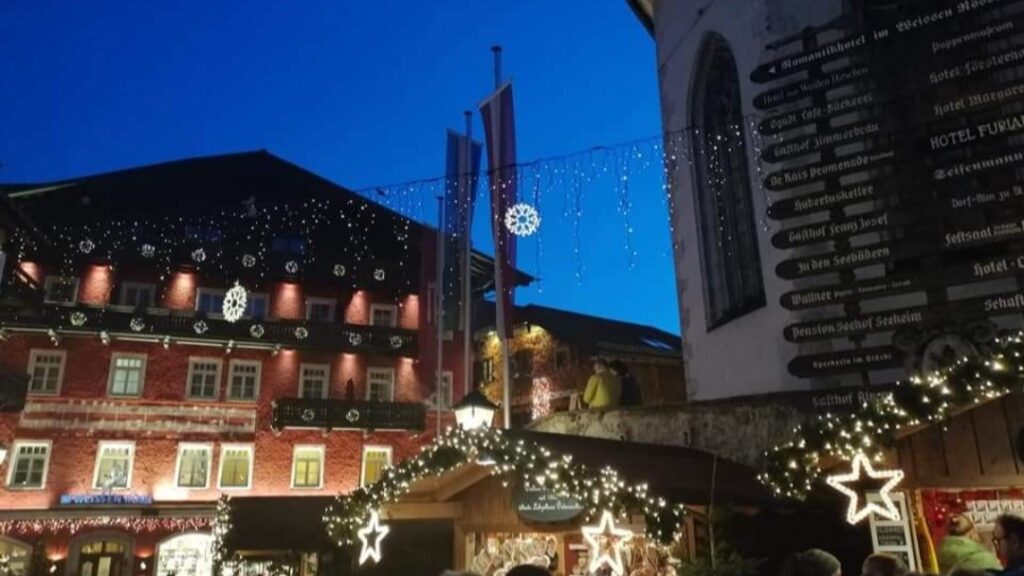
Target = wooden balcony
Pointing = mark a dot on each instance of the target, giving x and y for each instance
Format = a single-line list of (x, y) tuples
[(348, 414), (158, 324)]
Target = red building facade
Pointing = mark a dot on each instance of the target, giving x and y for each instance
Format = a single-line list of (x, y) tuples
[(145, 403)]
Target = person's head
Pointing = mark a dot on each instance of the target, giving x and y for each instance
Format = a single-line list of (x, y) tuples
[(812, 562), (619, 367), (964, 572), (600, 364), (883, 565), (1008, 538), (528, 570), (960, 525)]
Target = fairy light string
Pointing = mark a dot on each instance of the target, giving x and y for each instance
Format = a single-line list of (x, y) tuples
[(792, 468)]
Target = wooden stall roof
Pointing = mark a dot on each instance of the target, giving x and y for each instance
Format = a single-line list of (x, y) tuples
[(975, 450), (278, 523)]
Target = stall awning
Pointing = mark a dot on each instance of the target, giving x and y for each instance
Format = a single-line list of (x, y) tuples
[(682, 475), (278, 523)]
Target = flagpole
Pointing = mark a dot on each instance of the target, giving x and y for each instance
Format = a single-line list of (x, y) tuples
[(467, 259), (439, 310), (499, 280)]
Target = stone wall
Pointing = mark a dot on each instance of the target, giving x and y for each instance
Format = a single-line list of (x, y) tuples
[(737, 431)]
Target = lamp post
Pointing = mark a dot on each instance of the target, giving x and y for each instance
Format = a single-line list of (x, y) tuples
[(475, 411)]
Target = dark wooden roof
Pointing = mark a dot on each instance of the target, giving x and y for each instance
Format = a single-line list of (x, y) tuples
[(278, 523), (591, 334)]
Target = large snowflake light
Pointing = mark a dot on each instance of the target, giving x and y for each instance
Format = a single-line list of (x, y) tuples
[(234, 303), (522, 219)]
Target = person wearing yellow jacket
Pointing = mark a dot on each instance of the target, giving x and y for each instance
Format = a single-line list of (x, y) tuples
[(603, 388)]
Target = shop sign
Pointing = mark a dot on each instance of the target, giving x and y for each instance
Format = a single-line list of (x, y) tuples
[(796, 177), (535, 504), (105, 500), (793, 92), (840, 228), (844, 362)]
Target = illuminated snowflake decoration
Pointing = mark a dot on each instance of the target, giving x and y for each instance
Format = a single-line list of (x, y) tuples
[(199, 255), (200, 327), (78, 318), (379, 275), (339, 270), (291, 266), (138, 324), (301, 333), (355, 339), (147, 250), (256, 331), (234, 303), (396, 342), (248, 260), (522, 219), (86, 246)]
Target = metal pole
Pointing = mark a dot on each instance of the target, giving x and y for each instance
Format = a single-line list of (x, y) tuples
[(499, 280), (439, 309), (467, 259), (497, 66)]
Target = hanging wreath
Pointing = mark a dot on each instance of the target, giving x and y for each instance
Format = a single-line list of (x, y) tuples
[(78, 318), (291, 266), (147, 250), (86, 246), (248, 260), (234, 303), (355, 338), (198, 255), (256, 331), (379, 275), (339, 270), (138, 324), (200, 327), (301, 333), (396, 342)]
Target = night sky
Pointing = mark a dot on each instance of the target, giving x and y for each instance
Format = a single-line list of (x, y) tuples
[(361, 93)]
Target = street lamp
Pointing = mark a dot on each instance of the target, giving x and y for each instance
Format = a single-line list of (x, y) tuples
[(474, 411)]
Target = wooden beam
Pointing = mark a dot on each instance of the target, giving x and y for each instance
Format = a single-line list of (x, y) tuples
[(461, 481), (1002, 481), (422, 511)]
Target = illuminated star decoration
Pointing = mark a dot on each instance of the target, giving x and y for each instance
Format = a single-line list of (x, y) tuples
[(606, 530), (862, 466), (371, 536)]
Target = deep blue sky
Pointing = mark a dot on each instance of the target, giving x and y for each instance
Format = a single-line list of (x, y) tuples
[(360, 92)]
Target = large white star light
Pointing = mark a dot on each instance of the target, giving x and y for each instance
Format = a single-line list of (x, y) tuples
[(606, 553), (861, 466), (371, 537)]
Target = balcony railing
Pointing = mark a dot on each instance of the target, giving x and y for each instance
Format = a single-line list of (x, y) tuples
[(348, 414), (158, 323)]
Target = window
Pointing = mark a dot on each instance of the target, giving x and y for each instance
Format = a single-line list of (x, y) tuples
[(314, 380), (114, 465), (235, 465), (203, 378), (383, 315), (45, 371), (444, 392), (137, 294), (730, 259), (18, 556), (29, 464), (244, 380), (522, 365), (563, 359), (60, 290), (256, 305), (375, 460), (320, 309), (210, 301), (193, 467), (127, 374), (308, 467), (203, 234), (380, 384)]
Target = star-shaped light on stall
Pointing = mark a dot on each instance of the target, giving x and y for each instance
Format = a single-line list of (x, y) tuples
[(599, 554), (862, 467), (371, 536)]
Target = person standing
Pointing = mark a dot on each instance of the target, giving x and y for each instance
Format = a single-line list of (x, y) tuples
[(603, 388), (960, 549), (1008, 539), (631, 394), (883, 565), (812, 562)]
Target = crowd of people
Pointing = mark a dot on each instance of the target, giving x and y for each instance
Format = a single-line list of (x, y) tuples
[(959, 554)]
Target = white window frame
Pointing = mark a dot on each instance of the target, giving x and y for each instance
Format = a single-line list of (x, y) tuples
[(330, 302), (327, 378), (13, 460), (51, 280), (130, 445), (110, 374), (33, 357), (380, 370), (310, 447), (231, 373), (192, 361), (373, 448), (204, 446), (448, 376), (390, 308), (220, 467), (137, 285)]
